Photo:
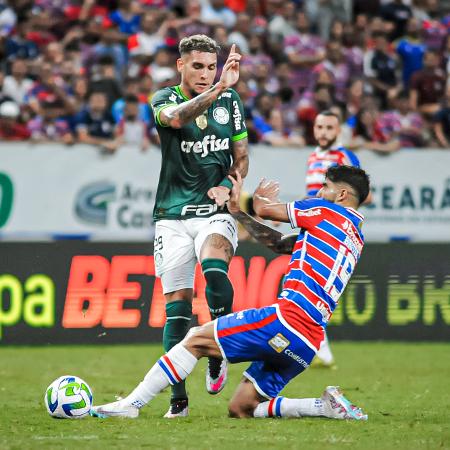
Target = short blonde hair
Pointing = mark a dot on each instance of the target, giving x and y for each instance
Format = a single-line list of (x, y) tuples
[(199, 42)]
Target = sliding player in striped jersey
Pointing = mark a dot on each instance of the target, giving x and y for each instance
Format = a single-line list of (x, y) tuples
[(281, 339)]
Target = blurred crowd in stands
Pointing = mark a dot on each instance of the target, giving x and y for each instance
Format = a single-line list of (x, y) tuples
[(83, 70)]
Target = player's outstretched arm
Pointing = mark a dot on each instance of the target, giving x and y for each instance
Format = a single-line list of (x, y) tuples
[(271, 238), (180, 115)]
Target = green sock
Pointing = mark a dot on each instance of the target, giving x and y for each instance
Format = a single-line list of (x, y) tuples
[(219, 290), (178, 320)]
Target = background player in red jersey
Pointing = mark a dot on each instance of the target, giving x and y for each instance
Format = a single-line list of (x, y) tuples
[(281, 340), (327, 154)]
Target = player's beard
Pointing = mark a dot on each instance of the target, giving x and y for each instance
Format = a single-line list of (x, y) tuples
[(329, 144)]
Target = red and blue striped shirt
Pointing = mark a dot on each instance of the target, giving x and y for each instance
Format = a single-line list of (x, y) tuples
[(323, 259), (320, 160)]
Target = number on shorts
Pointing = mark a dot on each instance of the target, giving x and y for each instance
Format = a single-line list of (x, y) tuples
[(158, 244)]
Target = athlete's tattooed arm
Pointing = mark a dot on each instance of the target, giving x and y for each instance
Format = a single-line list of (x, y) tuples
[(273, 239), (180, 115), (240, 158)]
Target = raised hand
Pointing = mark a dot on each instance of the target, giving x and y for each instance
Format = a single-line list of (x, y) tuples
[(230, 71), (268, 190)]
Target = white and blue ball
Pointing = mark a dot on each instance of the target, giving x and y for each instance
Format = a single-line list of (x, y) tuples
[(68, 397)]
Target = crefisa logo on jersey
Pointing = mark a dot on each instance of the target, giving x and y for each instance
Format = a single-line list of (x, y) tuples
[(221, 115), (205, 146), (237, 116)]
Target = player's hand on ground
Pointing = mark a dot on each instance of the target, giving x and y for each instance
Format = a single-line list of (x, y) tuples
[(220, 194), (268, 190), (230, 71), (235, 194)]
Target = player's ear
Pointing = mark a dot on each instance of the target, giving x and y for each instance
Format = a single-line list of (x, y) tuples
[(343, 194), (180, 65)]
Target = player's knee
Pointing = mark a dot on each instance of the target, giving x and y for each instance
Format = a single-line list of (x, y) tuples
[(200, 341)]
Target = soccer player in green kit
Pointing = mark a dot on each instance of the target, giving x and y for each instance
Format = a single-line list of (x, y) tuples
[(203, 140)]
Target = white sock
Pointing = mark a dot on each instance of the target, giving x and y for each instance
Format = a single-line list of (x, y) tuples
[(290, 407), (324, 352), (171, 368)]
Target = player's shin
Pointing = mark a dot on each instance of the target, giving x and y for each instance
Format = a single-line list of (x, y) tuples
[(219, 290), (290, 407), (178, 319), (170, 369), (219, 294)]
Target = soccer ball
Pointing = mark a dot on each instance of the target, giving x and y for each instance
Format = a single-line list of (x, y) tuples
[(68, 397)]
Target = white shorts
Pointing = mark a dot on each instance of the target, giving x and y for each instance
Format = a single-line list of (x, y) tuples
[(178, 244)]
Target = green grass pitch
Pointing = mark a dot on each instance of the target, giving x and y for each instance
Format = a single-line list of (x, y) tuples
[(403, 387)]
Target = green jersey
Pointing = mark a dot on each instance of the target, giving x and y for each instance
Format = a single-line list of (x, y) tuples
[(197, 156)]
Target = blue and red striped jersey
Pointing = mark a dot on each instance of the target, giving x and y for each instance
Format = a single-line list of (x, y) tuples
[(320, 160), (323, 259)]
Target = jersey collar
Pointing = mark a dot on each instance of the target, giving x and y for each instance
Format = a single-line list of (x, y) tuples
[(180, 92)]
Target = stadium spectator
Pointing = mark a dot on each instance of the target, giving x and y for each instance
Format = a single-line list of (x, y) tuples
[(150, 38), (324, 12), (380, 69), (368, 135), (278, 135), (10, 127), (80, 92), (52, 125), (304, 50), (446, 58), (281, 22), (17, 84), (241, 33), (312, 102), (402, 123), (339, 69), (110, 46), (355, 95), (256, 57), (353, 49), (434, 29), (397, 13), (214, 12), (131, 129), (8, 18), (48, 85), (411, 50), (95, 124), (428, 85), (18, 45), (3, 97), (192, 23), (126, 17), (442, 122), (263, 105), (103, 80)]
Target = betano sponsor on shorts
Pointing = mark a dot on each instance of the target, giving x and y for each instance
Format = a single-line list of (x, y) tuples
[(206, 145)]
